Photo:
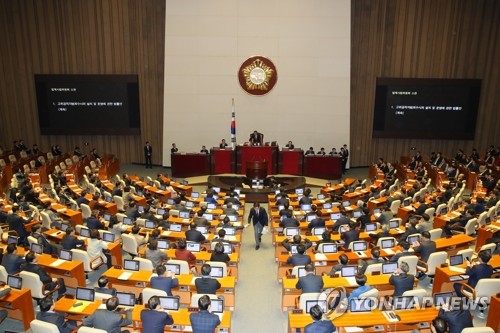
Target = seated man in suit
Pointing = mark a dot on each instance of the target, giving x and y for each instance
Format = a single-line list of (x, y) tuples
[(476, 270), (343, 220), (289, 221), (286, 211), (70, 241), (401, 280), (326, 237), (296, 240), (93, 221), (229, 210), (154, 318), (48, 315), (17, 223), (310, 283), (109, 319), (47, 246), (350, 235), (103, 287), (218, 254), (164, 281), (455, 316), (321, 323), (199, 220), (255, 138), (343, 261), (299, 259), (318, 221), (193, 235), (204, 321), (206, 284), (375, 259), (425, 247), (12, 261), (406, 251), (33, 267)]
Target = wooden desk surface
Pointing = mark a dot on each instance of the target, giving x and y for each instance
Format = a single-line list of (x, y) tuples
[(201, 256), (19, 306), (455, 240), (66, 305)]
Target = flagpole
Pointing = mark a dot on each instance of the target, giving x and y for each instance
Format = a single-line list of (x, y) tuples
[(233, 126)]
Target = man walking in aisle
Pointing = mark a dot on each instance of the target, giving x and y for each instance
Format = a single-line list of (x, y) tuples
[(258, 216)]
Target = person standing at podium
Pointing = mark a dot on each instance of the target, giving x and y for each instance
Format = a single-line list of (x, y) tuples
[(223, 144), (148, 153), (174, 148), (255, 138)]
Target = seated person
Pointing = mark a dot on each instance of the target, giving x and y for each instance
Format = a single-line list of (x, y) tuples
[(109, 319), (229, 210), (289, 221), (306, 198), (199, 220), (255, 138), (385, 232), (154, 318), (326, 237), (375, 259), (310, 151), (182, 254), (321, 323), (12, 261), (476, 270), (286, 211), (406, 252), (48, 247), (343, 261), (93, 221), (204, 321), (321, 152), (290, 145), (206, 284), (296, 240), (193, 235), (156, 256), (102, 288), (96, 247), (401, 280), (310, 283), (299, 259), (350, 235), (218, 254), (363, 287), (47, 314), (141, 240), (49, 282), (203, 150), (455, 316), (70, 241), (165, 280), (318, 221), (343, 220), (223, 144)]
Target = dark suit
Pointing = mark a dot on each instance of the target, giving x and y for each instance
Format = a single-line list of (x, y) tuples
[(421, 209), (310, 283), (425, 249), (94, 223), (401, 283), (148, 152), (16, 223), (476, 273), (56, 318), (259, 219), (164, 283), (194, 235), (12, 263), (289, 222), (206, 285), (350, 236), (457, 320), (396, 257), (320, 326), (45, 277), (82, 200), (204, 321), (317, 222), (71, 242), (341, 221), (154, 321), (298, 260), (109, 321)]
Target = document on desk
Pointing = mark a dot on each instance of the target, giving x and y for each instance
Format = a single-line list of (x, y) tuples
[(57, 262), (351, 280), (389, 251), (166, 233), (457, 269), (125, 276), (353, 329), (320, 257), (231, 238), (61, 210)]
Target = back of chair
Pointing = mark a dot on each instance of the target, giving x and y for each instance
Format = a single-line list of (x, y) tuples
[(45, 220), (373, 268), (395, 206), (86, 211), (435, 233), (129, 244), (85, 329), (3, 274), (39, 326), (417, 293), (145, 264), (147, 293), (487, 287), (32, 240), (184, 266), (435, 260), (490, 247), (478, 330), (307, 297), (83, 256), (320, 247), (372, 293), (32, 281)]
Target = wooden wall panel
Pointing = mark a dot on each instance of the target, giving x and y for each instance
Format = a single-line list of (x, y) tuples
[(422, 38), (81, 37)]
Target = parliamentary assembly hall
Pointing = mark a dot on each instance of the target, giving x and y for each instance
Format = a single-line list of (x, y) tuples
[(236, 166)]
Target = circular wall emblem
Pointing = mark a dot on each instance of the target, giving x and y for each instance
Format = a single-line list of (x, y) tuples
[(257, 75)]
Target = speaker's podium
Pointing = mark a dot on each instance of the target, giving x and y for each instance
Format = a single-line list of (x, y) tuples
[(222, 160), (267, 154)]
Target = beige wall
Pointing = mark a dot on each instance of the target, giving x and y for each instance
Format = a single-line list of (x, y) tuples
[(206, 42)]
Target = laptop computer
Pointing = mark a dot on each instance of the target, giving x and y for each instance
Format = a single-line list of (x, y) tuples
[(203, 230), (413, 239), (64, 226), (346, 203), (310, 217), (106, 217), (305, 207), (173, 268), (293, 248), (128, 221), (389, 267), (85, 294), (184, 215), (37, 248), (376, 211), (12, 240), (126, 299), (299, 191), (356, 214), (175, 227), (230, 231), (163, 244), (193, 247), (185, 182), (228, 248), (160, 211), (360, 305), (15, 282), (216, 189), (85, 232), (403, 303), (329, 248), (150, 224), (301, 271), (370, 227), (211, 205), (388, 243), (217, 272), (66, 255), (456, 260), (318, 231), (320, 196), (327, 205), (349, 271), (311, 303), (393, 224), (189, 204), (335, 216), (140, 209), (217, 307), (406, 202), (441, 299), (195, 195), (290, 232), (108, 237), (208, 216), (169, 303), (359, 247), (163, 187), (131, 265)]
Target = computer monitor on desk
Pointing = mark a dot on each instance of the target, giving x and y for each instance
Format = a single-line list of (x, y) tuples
[(169, 303), (85, 294)]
